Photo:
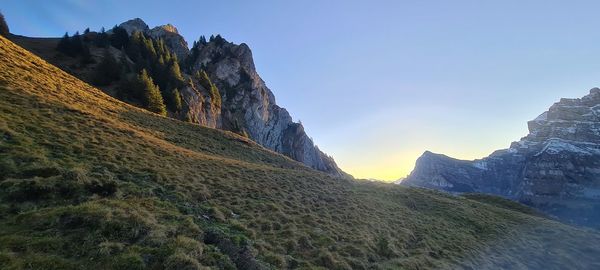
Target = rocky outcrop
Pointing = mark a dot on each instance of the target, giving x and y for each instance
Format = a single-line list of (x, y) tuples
[(555, 168), (133, 25), (168, 33), (198, 106), (247, 105)]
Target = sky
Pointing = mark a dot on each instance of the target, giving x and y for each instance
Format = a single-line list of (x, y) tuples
[(376, 83)]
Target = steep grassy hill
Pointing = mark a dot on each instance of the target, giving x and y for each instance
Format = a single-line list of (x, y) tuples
[(89, 182)]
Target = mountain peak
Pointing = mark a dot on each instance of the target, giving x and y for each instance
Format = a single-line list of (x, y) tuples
[(135, 24), (167, 28)]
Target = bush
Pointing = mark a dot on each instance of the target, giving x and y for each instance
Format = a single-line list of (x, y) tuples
[(275, 260), (107, 71), (188, 247), (382, 246), (128, 262), (180, 261)]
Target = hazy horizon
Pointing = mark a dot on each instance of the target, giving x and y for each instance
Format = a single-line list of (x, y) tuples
[(376, 85)]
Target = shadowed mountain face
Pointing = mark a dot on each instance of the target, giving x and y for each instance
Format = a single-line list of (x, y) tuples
[(555, 168), (246, 105)]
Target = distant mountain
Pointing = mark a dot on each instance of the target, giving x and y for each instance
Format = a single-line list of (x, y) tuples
[(556, 168), (244, 105)]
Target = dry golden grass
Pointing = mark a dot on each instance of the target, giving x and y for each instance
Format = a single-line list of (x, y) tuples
[(89, 181)]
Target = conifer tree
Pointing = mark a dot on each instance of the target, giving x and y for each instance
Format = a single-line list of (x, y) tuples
[(86, 55), (153, 100), (119, 37), (4, 31), (64, 44), (174, 73), (219, 40), (124, 62), (205, 81), (176, 100), (75, 44), (102, 39), (107, 71)]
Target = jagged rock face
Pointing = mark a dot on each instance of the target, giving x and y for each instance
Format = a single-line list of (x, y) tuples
[(555, 168), (198, 107), (168, 33), (172, 39), (247, 104), (133, 25)]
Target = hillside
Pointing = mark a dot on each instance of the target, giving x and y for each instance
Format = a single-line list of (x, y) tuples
[(232, 96), (90, 182), (555, 168)]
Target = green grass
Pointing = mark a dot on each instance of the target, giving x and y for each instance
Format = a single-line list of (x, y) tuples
[(87, 181)]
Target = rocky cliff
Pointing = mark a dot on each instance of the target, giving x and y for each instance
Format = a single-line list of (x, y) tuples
[(555, 168), (247, 105)]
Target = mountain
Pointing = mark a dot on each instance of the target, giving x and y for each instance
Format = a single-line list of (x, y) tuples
[(243, 104), (91, 182), (555, 168)]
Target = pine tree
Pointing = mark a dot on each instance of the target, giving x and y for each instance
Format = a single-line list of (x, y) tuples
[(119, 37), (86, 55), (174, 73), (64, 44), (153, 100), (76, 44), (219, 40), (176, 101), (124, 62), (107, 71), (102, 39), (4, 31), (86, 36), (205, 81)]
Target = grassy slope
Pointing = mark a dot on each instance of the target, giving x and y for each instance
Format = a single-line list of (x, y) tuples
[(88, 181)]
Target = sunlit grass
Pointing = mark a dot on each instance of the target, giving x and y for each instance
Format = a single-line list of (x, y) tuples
[(91, 182)]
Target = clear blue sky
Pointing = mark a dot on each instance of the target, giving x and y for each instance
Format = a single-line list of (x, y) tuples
[(376, 83)]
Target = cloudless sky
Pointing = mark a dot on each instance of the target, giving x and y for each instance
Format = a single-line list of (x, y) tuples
[(376, 83)]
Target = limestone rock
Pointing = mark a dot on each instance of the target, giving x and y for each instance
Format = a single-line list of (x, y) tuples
[(248, 106), (169, 34), (555, 168), (133, 25)]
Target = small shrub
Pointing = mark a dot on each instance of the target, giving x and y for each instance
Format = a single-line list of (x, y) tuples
[(110, 248), (188, 246), (382, 246), (275, 260), (128, 262), (180, 261), (103, 188), (216, 214), (305, 243), (21, 190), (290, 245)]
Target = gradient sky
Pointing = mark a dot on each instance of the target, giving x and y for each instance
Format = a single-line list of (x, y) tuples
[(376, 83)]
